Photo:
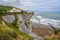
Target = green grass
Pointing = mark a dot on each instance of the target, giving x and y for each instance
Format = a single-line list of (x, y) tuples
[(5, 9), (7, 33)]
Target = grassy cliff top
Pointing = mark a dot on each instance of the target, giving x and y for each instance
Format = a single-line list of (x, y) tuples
[(5, 8)]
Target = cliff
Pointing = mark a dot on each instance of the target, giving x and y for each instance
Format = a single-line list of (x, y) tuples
[(11, 20)]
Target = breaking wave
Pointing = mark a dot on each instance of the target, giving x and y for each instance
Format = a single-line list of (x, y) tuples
[(45, 21)]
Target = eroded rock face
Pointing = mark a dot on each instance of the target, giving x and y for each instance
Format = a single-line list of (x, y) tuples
[(28, 30), (22, 19), (9, 18)]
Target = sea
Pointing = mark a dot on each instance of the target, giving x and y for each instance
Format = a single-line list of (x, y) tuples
[(52, 15), (47, 18)]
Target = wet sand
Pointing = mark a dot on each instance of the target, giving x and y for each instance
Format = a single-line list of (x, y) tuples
[(43, 30)]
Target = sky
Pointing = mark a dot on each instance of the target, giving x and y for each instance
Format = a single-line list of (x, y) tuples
[(34, 5)]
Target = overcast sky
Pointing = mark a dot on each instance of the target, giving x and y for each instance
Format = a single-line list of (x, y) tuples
[(34, 5)]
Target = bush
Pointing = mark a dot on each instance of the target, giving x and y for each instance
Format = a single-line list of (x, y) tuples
[(56, 32)]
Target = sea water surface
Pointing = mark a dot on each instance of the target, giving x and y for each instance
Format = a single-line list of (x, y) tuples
[(52, 15), (47, 17)]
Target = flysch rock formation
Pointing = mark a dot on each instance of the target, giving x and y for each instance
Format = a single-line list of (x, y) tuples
[(22, 19), (27, 30)]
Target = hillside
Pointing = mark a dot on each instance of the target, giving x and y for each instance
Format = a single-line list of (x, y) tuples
[(9, 31)]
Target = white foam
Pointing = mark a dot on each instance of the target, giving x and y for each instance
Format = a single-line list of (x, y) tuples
[(38, 17), (45, 21)]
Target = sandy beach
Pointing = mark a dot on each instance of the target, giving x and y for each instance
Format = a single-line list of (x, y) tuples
[(43, 30)]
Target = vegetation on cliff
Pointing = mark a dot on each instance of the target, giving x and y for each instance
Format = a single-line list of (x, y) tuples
[(5, 8), (9, 31)]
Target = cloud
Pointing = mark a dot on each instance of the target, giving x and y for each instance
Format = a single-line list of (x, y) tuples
[(41, 5), (5, 0), (9, 0)]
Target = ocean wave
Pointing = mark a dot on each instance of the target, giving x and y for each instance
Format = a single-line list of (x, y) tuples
[(45, 21)]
